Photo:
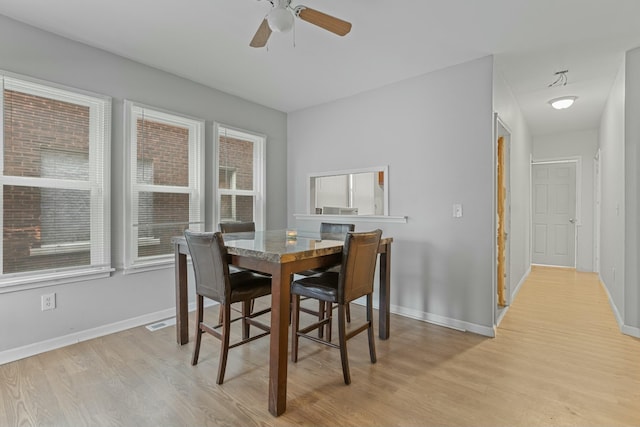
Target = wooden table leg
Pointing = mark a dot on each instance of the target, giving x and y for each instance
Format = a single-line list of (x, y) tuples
[(384, 302), (182, 308), (280, 295)]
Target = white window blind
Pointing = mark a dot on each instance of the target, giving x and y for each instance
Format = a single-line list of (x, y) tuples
[(164, 169), (54, 183)]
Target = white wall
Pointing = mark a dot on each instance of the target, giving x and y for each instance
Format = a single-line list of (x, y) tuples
[(92, 308), (505, 104), (435, 133), (632, 191), (584, 146), (620, 230), (611, 140)]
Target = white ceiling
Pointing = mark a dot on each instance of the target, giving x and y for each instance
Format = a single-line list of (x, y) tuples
[(207, 41)]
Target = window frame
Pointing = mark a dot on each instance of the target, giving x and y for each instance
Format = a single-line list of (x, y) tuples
[(98, 184), (133, 263), (259, 173)]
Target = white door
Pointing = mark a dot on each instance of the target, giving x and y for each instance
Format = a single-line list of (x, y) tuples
[(554, 214)]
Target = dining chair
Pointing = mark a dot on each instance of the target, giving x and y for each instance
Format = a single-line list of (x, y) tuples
[(236, 227), (354, 280), (213, 281), (327, 231)]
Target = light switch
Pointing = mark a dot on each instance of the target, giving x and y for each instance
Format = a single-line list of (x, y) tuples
[(457, 210)]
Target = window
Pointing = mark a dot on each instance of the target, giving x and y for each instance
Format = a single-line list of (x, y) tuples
[(164, 196), (54, 184), (355, 192), (240, 165)]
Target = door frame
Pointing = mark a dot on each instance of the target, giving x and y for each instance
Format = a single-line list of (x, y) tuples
[(502, 131), (569, 159), (500, 128), (597, 201)]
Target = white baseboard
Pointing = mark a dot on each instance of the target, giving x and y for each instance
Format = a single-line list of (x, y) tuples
[(625, 329), (616, 313), (503, 312), (76, 337), (631, 331), (435, 319), (520, 283), (447, 322), (512, 298), (58, 342)]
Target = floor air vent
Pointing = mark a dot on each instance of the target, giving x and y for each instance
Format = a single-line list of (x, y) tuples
[(161, 324)]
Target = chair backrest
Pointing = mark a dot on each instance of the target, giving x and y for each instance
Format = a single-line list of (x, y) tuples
[(359, 257), (237, 227), (209, 258), (330, 228), (332, 231)]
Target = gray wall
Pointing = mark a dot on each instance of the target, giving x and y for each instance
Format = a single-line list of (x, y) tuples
[(632, 191), (90, 308), (611, 141), (582, 145), (618, 230), (435, 134)]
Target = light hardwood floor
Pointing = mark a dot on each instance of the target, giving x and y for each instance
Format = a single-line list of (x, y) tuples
[(558, 359)]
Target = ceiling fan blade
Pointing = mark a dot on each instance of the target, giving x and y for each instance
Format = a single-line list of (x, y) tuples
[(262, 35), (322, 20)]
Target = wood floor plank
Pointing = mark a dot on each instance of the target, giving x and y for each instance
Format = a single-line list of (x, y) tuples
[(558, 359)]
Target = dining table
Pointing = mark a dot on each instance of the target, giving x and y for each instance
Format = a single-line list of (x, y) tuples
[(280, 253)]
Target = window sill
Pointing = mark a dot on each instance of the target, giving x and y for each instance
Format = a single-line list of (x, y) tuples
[(150, 265), (34, 281)]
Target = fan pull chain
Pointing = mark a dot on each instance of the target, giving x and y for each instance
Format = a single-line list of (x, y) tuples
[(294, 34)]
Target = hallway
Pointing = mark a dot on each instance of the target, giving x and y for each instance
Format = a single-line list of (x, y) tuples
[(562, 329)]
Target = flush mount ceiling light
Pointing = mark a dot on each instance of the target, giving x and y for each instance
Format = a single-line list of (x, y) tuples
[(563, 102)]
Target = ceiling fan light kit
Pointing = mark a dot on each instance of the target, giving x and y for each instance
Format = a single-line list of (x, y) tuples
[(281, 19)]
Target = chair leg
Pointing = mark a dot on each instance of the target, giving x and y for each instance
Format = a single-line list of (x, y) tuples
[(321, 316), (246, 312), (220, 312), (224, 339), (199, 318), (295, 326), (343, 344), (372, 344), (328, 315), (348, 313)]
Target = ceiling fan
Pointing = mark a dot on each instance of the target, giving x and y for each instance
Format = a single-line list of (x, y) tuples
[(281, 16)]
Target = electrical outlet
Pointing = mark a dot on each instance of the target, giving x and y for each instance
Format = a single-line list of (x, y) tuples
[(48, 301)]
